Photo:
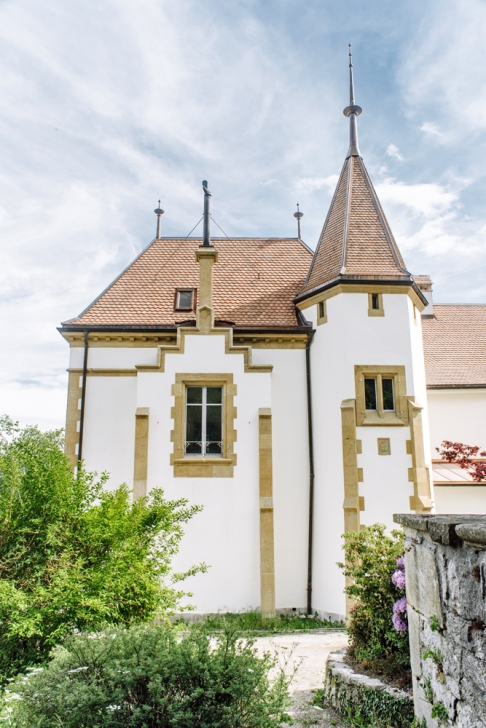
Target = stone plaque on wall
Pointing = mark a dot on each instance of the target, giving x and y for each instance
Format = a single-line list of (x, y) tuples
[(384, 446)]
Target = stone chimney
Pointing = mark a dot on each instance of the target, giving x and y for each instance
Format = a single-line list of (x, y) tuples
[(206, 256)]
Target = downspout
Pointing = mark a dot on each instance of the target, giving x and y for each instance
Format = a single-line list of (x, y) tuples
[(83, 398), (311, 471)]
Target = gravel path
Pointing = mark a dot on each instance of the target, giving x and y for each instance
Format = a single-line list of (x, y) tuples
[(306, 654)]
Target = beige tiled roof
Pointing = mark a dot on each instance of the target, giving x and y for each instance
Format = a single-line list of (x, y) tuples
[(423, 282), (356, 241), (255, 282), (455, 346)]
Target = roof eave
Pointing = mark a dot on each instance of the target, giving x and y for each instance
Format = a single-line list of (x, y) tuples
[(365, 278)]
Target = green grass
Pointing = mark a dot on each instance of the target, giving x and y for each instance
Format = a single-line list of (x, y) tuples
[(254, 621)]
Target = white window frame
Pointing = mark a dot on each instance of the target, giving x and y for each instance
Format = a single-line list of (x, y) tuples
[(203, 405)]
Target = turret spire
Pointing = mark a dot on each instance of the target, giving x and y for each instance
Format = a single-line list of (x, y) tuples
[(352, 111)]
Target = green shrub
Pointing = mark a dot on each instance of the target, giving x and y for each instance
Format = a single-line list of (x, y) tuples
[(73, 555), (371, 557), (150, 677)]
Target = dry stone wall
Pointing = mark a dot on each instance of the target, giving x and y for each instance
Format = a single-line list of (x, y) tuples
[(445, 564)]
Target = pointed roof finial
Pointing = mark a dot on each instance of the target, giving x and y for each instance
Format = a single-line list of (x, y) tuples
[(298, 215), (353, 111), (159, 212)]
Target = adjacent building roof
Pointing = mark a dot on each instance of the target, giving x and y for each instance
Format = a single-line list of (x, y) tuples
[(445, 473), (424, 282), (455, 346), (254, 284), (356, 242)]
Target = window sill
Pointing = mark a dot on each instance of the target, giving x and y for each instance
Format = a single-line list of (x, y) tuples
[(199, 466), (387, 420)]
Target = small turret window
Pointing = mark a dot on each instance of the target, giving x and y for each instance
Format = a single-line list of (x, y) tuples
[(379, 395), (388, 398), (375, 304), (370, 393)]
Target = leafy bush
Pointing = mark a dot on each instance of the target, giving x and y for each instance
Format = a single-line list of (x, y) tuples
[(371, 557), (74, 555), (150, 677)]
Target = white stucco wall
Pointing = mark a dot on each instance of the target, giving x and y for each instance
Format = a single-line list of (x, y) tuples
[(109, 427), (290, 473), (458, 415), (351, 337), (460, 499), (226, 535)]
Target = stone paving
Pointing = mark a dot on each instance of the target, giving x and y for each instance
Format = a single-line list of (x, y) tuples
[(306, 654)]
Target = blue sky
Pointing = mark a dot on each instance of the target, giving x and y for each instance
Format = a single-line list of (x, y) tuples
[(107, 106)]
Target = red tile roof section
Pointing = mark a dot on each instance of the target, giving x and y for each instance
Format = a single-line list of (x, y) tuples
[(255, 282), (356, 239), (455, 346)]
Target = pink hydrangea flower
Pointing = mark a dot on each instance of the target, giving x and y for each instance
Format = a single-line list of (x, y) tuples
[(398, 579), (400, 606), (401, 562), (399, 623)]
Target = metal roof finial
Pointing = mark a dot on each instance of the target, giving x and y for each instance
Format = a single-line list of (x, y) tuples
[(159, 212), (298, 215), (206, 233), (352, 111)]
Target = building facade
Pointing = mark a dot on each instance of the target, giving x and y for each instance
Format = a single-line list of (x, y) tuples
[(290, 393)]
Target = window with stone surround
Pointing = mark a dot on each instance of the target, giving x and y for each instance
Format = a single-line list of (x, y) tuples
[(381, 395), (203, 433)]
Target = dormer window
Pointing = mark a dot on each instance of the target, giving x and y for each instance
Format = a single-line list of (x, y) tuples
[(184, 299)]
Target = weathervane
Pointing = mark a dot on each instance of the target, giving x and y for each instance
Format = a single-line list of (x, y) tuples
[(298, 215), (159, 212)]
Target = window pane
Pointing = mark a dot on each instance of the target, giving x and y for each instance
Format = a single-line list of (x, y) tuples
[(214, 448), (388, 398), (194, 395), (213, 423), (193, 448), (370, 394), (185, 299), (375, 302), (214, 395), (194, 423)]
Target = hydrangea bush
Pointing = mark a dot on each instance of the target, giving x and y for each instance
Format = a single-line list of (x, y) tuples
[(375, 567)]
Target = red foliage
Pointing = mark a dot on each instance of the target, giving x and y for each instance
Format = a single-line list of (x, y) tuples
[(464, 456)]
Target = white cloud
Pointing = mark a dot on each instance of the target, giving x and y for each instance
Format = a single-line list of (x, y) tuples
[(312, 184), (425, 200), (443, 66), (394, 152)]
